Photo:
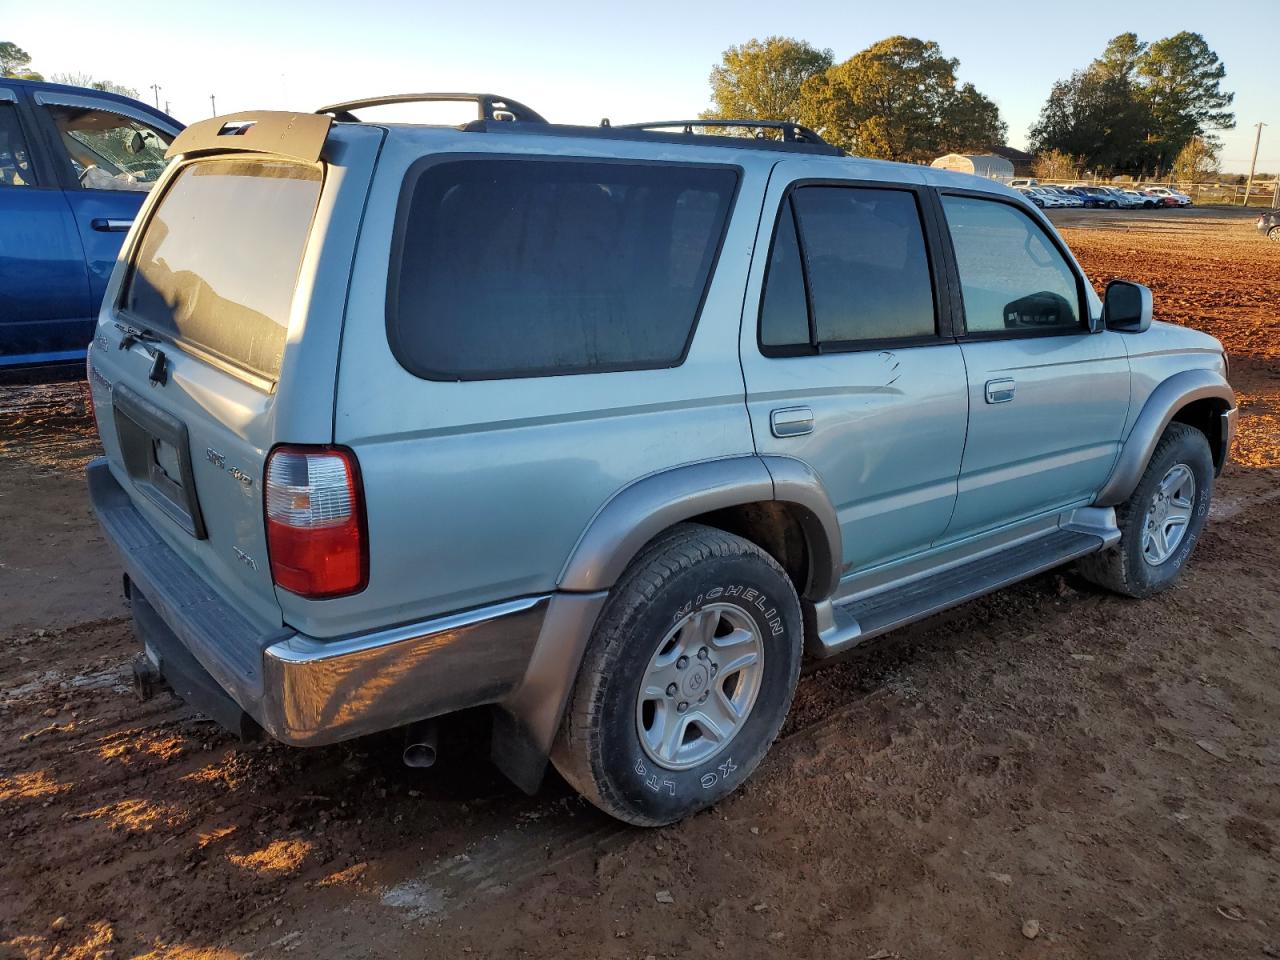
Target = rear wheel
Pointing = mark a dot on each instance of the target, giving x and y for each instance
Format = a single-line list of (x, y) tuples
[(1274, 234), (686, 680), (1162, 521)]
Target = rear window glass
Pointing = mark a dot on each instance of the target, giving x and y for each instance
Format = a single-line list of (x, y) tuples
[(525, 267), (219, 260)]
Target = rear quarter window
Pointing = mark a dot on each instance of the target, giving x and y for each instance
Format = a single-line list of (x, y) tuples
[(218, 262), (522, 267)]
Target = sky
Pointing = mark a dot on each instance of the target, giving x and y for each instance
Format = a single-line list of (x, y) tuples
[(578, 61)]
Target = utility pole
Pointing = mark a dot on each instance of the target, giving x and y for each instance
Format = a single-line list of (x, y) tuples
[(166, 106), (213, 107), (155, 88), (1253, 163)]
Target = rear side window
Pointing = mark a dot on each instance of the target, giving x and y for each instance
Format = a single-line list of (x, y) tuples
[(218, 263), (1013, 278), (525, 267), (848, 268)]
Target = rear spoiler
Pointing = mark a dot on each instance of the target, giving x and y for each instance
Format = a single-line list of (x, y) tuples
[(297, 136)]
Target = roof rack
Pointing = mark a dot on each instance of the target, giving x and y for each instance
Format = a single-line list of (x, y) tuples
[(489, 106), (791, 132)]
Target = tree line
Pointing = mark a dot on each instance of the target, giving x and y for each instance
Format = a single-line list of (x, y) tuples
[(1138, 108), (897, 100)]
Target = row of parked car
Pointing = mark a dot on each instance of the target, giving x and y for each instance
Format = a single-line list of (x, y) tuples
[(1115, 198)]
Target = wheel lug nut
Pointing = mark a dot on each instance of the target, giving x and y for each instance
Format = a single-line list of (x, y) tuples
[(671, 689), (682, 663), (703, 698), (682, 706), (702, 654), (715, 668)]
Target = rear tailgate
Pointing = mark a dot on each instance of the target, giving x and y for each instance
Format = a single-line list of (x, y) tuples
[(237, 273)]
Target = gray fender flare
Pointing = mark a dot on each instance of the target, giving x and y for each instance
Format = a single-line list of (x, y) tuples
[(640, 511), (1164, 402), (528, 719)]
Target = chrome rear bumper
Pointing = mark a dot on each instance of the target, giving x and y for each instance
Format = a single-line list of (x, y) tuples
[(305, 691)]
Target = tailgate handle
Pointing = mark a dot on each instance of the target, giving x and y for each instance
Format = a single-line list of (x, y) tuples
[(106, 225)]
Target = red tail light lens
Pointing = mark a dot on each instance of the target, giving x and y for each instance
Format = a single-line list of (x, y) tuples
[(315, 522)]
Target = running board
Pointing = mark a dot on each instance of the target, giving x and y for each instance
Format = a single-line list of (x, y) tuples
[(862, 618)]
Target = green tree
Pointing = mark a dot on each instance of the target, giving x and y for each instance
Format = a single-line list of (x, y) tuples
[(762, 79), (1182, 80), (1137, 105), (1197, 162), (1100, 114), (898, 100), (15, 62)]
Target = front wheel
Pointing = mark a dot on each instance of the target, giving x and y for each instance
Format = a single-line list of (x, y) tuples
[(686, 680), (1162, 520), (1274, 234)]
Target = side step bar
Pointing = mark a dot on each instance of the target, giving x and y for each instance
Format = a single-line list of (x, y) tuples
[(862, 618)]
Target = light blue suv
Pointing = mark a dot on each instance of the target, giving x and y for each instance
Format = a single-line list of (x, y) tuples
[(606, 428)]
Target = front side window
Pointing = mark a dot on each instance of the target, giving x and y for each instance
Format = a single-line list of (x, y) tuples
[(510, 267), (15, 161), (218, 261), (1012, 276), (848, 266), (109, 151)]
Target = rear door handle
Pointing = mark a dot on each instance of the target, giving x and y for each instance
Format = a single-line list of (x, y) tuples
[(791, 421), (1000, 391), (110, 226)]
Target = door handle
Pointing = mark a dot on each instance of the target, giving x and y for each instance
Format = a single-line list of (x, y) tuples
[(105, 225), (791, 421), (1000, 391)]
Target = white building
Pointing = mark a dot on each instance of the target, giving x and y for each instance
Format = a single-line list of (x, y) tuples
[(981, 165)]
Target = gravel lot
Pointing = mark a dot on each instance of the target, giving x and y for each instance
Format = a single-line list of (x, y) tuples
[(1100, 773)]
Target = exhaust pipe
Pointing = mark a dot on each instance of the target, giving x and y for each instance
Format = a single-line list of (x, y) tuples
[(420, 744)]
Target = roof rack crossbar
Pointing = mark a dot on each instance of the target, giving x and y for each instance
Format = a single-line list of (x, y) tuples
[(791, 132), (489, 106)]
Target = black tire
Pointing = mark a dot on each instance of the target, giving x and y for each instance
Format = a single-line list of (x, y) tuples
[(1274, 234), (599, 749), (1124, 568)]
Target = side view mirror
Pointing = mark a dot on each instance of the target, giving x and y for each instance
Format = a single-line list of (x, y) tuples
[(135, 144), (1126, 307)]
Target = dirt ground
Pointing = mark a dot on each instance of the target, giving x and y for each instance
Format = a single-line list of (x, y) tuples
[(1103, 773)]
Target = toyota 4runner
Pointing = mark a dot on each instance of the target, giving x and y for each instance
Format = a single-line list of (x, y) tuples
[(606, 428)]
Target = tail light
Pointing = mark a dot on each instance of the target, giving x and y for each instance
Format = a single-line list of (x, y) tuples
[(315, 522)]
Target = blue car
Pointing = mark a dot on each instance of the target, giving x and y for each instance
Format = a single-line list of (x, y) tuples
[(75, 165)]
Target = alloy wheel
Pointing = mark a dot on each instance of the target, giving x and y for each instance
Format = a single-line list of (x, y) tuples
[(1168, 514), (700, 686)]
